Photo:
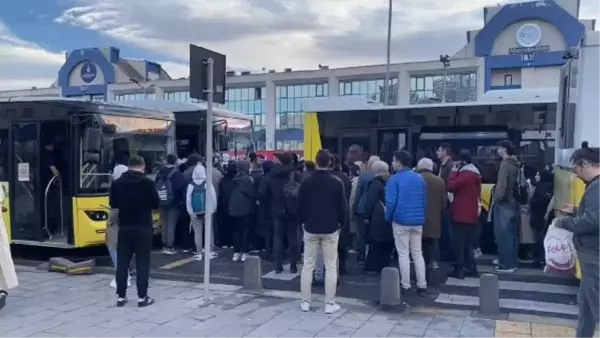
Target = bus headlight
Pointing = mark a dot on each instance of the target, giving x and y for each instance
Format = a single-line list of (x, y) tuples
[(97, 216)]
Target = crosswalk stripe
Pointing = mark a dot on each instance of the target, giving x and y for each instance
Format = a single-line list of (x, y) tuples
[(518, 286), (510, 304)]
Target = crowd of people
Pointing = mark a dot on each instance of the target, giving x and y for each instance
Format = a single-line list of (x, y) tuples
[(315, 213)]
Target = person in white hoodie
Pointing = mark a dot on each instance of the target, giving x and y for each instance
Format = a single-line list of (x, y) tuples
[(197, 219)]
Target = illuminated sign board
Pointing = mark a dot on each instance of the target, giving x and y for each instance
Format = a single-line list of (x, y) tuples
[(125, 124)]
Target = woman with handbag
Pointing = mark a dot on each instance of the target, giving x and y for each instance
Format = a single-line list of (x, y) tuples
[(379, 232)]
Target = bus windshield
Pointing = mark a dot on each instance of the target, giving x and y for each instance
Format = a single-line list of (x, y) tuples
[(240, 135), (121, 137)]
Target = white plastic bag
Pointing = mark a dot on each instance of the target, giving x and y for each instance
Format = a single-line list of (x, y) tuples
[(561, 256)]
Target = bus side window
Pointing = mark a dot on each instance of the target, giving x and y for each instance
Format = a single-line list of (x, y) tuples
[(3, 155)]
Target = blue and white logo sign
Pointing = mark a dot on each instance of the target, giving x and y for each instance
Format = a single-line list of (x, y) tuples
[(529, 35), (88, 72)]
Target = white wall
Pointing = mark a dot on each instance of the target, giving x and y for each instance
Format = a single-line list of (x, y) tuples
[(540, 77)]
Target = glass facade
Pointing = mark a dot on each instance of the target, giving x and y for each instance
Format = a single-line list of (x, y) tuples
[(459, 87), (180, 96), (371, 89), (250, 101), (134, 96), (289, 116)]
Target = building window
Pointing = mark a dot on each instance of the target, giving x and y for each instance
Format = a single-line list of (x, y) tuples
[(288, 110), (134, 96), (250, 101), (371, 89), (458, 87), (180, 96), (508, 80)]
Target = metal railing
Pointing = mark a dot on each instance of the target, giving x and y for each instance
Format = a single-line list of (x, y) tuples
[(54, 179)]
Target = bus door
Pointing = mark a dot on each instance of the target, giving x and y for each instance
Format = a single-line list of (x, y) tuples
[(354, 145), (25, 190), (389, 141)]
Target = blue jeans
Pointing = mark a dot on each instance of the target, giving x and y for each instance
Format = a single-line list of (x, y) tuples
[(113, 255), (506, 224)]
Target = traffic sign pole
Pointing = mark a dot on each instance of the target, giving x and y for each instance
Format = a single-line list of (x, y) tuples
[(209, 168)]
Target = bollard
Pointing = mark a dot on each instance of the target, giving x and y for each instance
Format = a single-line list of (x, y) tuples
[(253, 274), (389, 292), (489, 295)]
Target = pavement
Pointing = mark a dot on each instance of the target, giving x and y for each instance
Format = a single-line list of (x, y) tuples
[(528, 291), (55, 305)]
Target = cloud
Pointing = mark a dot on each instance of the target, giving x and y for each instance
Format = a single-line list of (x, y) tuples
[(276, 34), (24, 64)]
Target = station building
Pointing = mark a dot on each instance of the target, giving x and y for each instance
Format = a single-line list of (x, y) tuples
[(520, 47)]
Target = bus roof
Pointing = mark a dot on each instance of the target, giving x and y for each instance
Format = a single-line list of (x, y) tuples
[(491, 98), (93, 107), (179, 107)]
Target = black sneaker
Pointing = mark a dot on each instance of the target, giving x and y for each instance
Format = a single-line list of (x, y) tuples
[(404, 291), (121, 301), (278, 270), (422, 292), (502, 269), (3, 295), (293, 269), (146, 301)]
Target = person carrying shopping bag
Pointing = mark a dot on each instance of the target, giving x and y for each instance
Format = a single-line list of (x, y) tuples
[(8, 275)]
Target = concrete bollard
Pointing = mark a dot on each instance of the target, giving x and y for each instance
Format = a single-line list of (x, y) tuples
[(253, 274), (389, 293), (489, 295)]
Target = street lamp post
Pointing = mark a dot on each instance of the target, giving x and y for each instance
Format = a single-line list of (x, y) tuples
[(386, 85), (445, 60)]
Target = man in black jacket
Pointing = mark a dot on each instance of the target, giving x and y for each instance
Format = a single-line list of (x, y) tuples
[(323, 209), (285, 221), (135, 196), (242, 208)]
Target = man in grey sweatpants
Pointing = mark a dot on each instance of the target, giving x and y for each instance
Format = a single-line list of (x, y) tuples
[(584, 223)]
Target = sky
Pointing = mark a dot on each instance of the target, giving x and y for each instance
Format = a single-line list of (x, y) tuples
[(254, 34)]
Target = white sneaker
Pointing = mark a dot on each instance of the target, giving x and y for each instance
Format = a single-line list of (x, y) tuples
[(197, 257), (332, 308), (213, 254), (244, 256), (113, 283), (305, 306), (496, 262), (477, 253), (236, 257)]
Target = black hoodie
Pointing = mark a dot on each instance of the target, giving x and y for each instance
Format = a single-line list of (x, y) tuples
[(135, 196), (272, 190)]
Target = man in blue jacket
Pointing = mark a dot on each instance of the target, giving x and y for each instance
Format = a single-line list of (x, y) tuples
[(405, 196)]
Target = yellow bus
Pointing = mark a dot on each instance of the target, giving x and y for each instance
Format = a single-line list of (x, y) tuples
[(525, 118), (577, 116), (81, 142)]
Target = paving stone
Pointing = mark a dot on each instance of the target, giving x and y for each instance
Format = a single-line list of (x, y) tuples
[(547, 330), (313, 323), (234, 331), (516, 327), (433, 333), (410, 329), (336, 331), (478, 327), (346, 322), (447, 323), (385, 317), (503, 334), (292, 333), (370, 329), (274, 327)]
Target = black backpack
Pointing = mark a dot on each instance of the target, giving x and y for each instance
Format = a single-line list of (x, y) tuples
[(290, 194)]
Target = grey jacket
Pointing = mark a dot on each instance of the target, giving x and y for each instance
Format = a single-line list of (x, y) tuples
[(507, 180), (585, 224)]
